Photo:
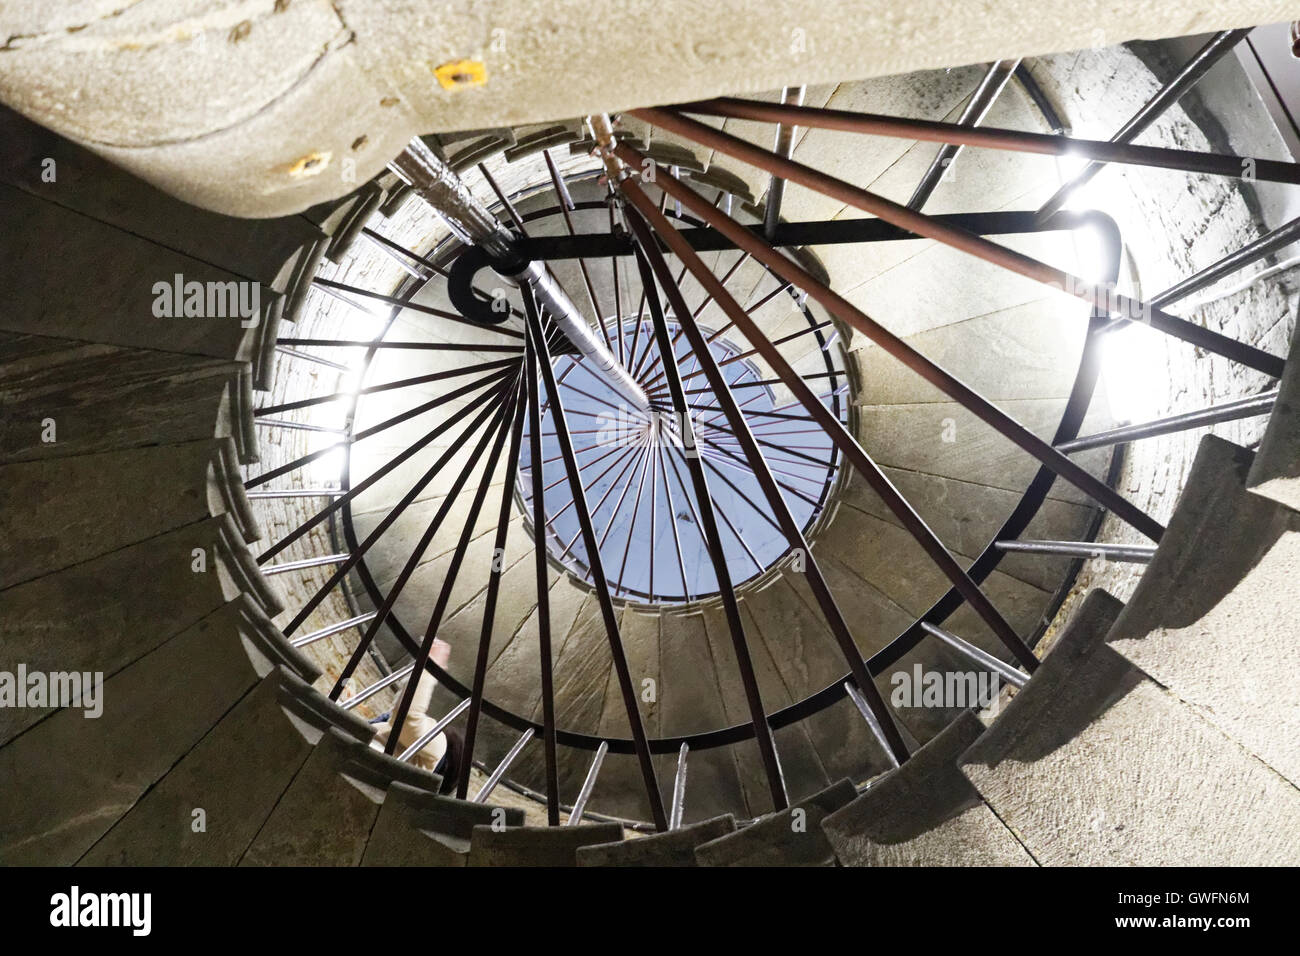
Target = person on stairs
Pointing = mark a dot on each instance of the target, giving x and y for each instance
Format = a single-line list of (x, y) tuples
[(442, 755)]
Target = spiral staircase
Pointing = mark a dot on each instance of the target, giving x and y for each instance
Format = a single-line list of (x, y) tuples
[(247, 530)]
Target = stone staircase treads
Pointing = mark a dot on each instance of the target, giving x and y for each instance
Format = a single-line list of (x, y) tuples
[(673, 848), (791, 837), (73, 776), (1168, 788), (537, 846), (235, 775), (44, 623), (419, 828), (925, 813), (1185, 625), (61, 512)]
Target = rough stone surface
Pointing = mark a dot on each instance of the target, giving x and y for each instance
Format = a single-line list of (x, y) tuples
[(1168, 787), (674, 848), (1216, 625), (791, 837), (925, 813), (419, 828), (537, 846)]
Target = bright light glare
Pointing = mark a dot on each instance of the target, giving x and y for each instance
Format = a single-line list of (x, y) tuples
[(1090, 253), (1134, 372)]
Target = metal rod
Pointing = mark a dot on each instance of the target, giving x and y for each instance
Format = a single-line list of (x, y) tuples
[(702, 509), (365, 344), (329, 285), (332, 629), (1268, 243), (296, 426), (395, 512), (1098, 295), (967, 397), (389, 386), (873, 724), (982, 657), (546, 663), (503, 766), (294, 353), (305, 563), (1229, 411), (784, 146), (496, 570), (296, 493), (861, 462), (376, 687), (417, 552), (344, 497), (1219, 46), (427, 737), (981, 101), (457, 559), (598, 579), (679, 789), (762, 474), (1132, 553), (588, 784)]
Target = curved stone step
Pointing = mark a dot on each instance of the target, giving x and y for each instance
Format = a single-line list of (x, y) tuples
[(45, 622), (326, 815), (236, 775), (792, 837), (1167, 788), (537, 846), (73, 775), (57, 513), (925, 813), (419, 828), (673, 848), (1212, 618)]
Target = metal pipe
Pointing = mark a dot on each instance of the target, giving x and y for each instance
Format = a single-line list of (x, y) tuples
[(1133, 553), (294, 353), (503, 766), (1270, 242), (589, 784), (784, 146), (981, 101), (679, 788), (296, 426), (982, 657), (1098, 295), (436, 183), (305, 563), (1219, 46), (1227, 412), (296, 493), (332, 629), (427, 737), (864, 709), (377, 686)]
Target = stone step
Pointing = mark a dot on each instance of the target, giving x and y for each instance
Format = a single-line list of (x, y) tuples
[(674, 848), (75, 774), (537, 846), (419, 828), (1092, 763), (45, 622), (58, 513), (326, 815), (791, 837), (1275, 473), (236, 775), (103, 397), (46, 295), (1212, 618), (925, 813)]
